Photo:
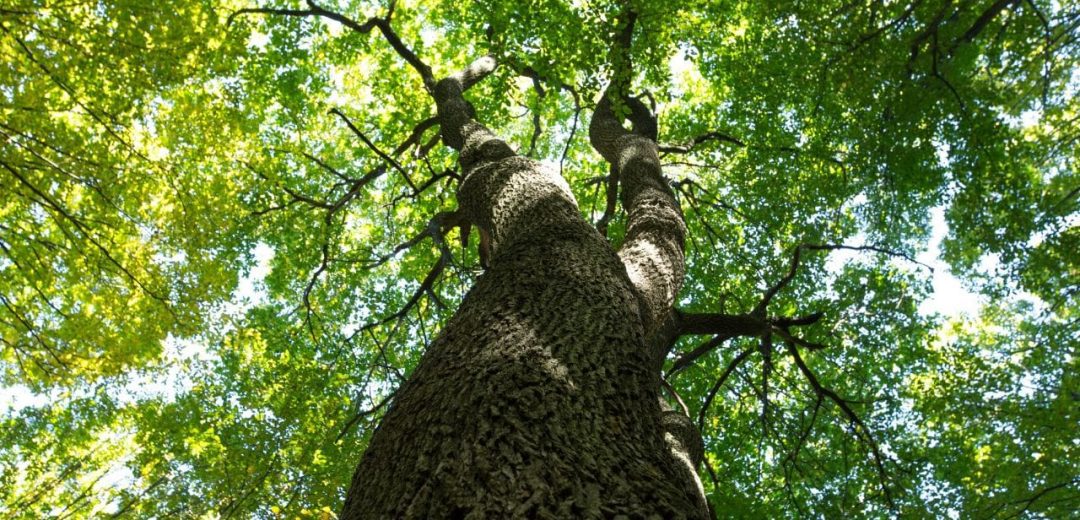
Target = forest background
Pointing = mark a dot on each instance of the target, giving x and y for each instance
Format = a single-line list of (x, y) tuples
[(219, 260)]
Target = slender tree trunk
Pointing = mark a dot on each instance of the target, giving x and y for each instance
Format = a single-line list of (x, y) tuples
[(540, 398)]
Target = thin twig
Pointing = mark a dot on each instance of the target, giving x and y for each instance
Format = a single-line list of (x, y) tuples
[(364, 413), (383, 25), (861, 430), (720, 382), (393, 162)]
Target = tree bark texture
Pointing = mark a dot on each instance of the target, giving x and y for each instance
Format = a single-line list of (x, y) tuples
[(541, 396)]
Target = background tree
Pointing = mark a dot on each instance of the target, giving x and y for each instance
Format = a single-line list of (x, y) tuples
[(225, 245)]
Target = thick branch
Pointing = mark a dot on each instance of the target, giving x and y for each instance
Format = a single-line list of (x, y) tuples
[(655, 236), (728, 326), (456, 114), (983, 20), (706, 137), (731, 325)]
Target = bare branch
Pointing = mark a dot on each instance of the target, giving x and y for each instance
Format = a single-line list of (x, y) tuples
[(704, 138), (936, 71), (371, 145), (783, 333), (324, 252), (682, 186), (799, 321), (437, 227), (408, 244), (431, 181), (795, 259), (611, 199), (538, 79), (793, 457), (1028, 502), (982, 21), (273, 11), (671, 390), (537, 129), (364, 413), (296, 196), (109, 128), (688, 358), (573, 129), (1048, 62), (414, 137), (861, 430), (322, 164), (383, 24), (765, 347), (29, 327), (719, 383)]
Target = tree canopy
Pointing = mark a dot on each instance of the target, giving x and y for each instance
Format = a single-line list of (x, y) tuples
[(226, 236)]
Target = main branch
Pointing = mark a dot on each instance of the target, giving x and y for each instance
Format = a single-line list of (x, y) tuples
[(655, 235)]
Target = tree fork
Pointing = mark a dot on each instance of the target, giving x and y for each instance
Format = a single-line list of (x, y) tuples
[(540, 397)]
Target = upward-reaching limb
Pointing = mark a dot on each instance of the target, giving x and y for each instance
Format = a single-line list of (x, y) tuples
[(655, 234)]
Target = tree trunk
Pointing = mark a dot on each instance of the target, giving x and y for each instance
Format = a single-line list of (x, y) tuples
[(541, 396)]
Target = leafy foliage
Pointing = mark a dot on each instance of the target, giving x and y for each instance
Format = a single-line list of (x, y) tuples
[(213, 278)]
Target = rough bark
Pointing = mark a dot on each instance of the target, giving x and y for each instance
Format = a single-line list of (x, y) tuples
[(540, 398)]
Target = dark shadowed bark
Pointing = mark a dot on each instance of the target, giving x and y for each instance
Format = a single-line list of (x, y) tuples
[(541, 397)]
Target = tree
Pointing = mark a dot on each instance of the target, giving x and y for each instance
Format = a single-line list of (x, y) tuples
[(235, 238)]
